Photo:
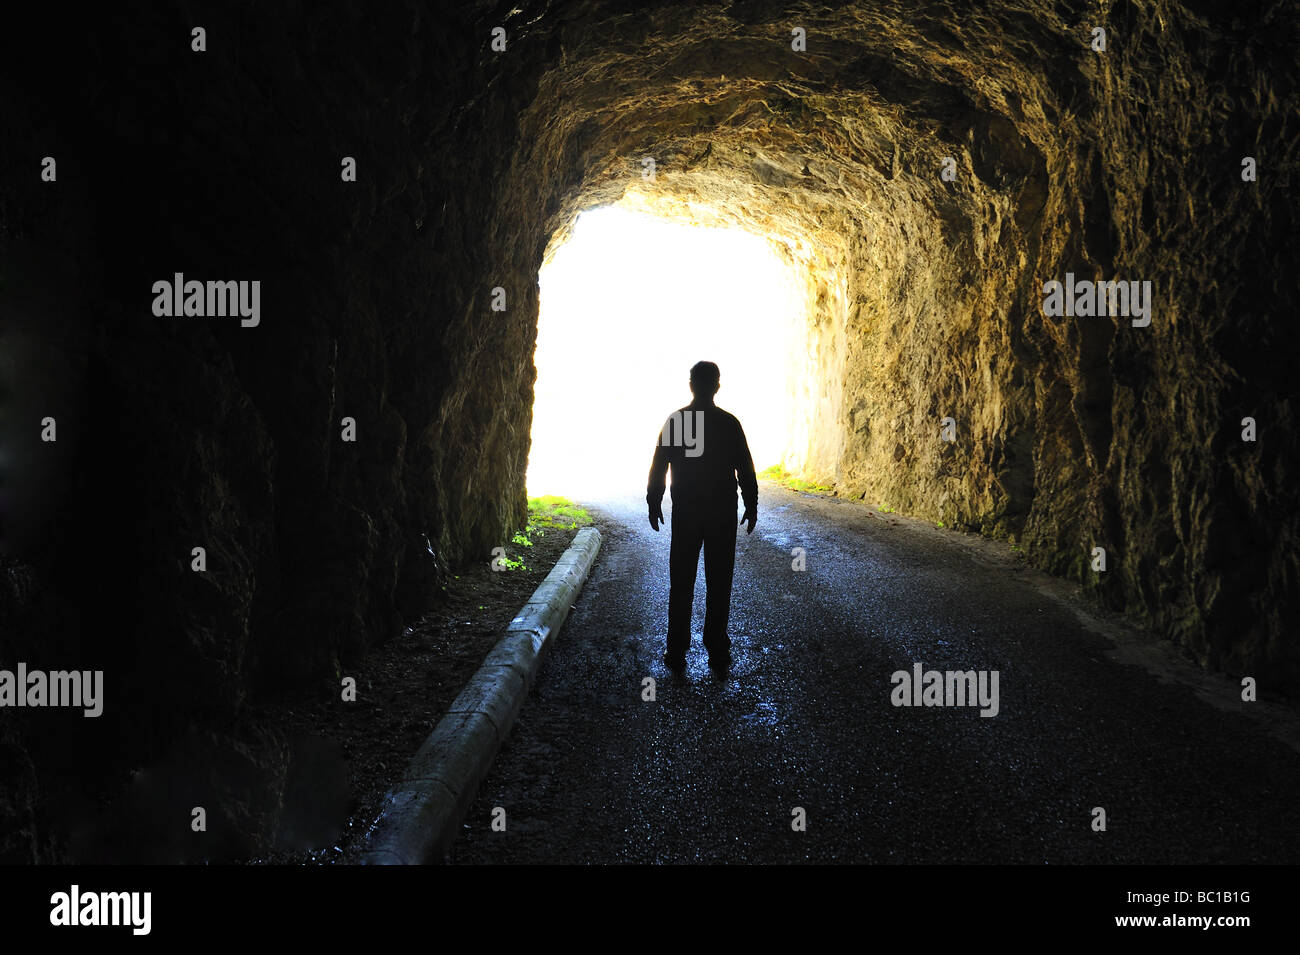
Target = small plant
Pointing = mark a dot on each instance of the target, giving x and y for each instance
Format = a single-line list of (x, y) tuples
[(522, 540), (938, 524), (885, 509)]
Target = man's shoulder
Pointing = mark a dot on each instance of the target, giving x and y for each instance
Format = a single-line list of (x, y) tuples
[(728, 417)]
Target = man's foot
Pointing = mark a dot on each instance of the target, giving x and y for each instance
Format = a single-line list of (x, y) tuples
[(720, 662), (675, 661)]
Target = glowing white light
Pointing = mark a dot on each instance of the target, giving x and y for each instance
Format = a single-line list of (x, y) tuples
[(628, 304)]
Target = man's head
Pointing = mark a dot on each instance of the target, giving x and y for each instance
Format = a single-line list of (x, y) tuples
[(704, 379)]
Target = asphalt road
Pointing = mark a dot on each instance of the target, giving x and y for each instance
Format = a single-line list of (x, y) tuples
[(714, 769)]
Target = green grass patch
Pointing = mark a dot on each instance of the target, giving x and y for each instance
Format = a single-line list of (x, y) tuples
[(554, 512), (783, 477)]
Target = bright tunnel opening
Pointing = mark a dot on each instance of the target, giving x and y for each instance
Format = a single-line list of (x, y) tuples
[(628, 304)]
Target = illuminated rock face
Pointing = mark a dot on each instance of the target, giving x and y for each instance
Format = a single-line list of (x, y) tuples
[(925, 290), (925, 293)]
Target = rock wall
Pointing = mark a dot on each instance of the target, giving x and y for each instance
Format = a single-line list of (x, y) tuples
[(182, 432)]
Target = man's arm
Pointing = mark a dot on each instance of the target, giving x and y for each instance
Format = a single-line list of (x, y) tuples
[(654, 492), (747, 479)]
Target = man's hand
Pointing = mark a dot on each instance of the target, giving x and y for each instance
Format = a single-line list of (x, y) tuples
[(656, 516), (750, 515)]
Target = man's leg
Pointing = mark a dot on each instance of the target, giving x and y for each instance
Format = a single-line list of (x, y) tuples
[(719, 562), (683, 563)]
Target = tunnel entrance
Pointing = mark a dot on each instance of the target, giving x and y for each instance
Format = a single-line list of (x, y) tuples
[(630, 301)]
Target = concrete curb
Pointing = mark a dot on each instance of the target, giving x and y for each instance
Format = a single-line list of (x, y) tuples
[(422, 814)]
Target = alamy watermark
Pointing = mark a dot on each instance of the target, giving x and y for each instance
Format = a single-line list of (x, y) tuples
[(1086, 297), (75, 907), (83, 688), (946, 688), (684, 430), (208, 299)]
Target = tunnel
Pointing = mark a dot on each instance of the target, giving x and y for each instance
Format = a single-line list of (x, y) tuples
[(396, 178)]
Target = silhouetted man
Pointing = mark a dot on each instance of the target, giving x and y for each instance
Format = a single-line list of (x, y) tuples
[(707, 451)]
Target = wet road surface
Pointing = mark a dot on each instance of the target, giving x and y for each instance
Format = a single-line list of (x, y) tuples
[(714, 769)]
